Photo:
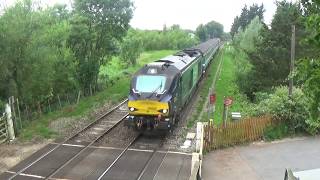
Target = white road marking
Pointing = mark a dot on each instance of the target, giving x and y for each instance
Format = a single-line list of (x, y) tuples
[(73, 145)]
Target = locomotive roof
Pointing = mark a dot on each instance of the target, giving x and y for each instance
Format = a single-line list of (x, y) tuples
[(174, 64)]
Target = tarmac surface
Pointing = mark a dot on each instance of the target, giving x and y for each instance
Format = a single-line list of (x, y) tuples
[(95, 160), (262, 161)]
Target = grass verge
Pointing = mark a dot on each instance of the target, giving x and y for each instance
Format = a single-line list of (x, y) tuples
[(205, 89), (227, 87)]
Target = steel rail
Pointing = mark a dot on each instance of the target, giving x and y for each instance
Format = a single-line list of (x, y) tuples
[(86, 147), (119, 156), (161, 163), (150, 159), (68, 139)]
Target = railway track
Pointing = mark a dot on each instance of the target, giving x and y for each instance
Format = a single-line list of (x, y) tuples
[(83, 140), (90, 154), (146, 169)]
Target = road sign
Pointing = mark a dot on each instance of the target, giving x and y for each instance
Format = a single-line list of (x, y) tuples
[(227, 101), (212, 98)]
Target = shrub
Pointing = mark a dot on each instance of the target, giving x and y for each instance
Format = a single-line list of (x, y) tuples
[(277, 131), (2, 105), (293, 111)]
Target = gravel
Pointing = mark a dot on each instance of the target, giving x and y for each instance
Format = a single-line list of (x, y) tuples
[(119, 137)]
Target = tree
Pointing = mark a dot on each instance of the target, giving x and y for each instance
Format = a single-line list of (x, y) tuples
[(96, 27), (212, 29), (246, 16), (201, 32), (36, 62), (272, 56), (130, 48), (309, 67), (245, 42), (247, 39)]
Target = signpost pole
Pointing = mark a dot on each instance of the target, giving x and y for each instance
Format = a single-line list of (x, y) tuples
[(212, 101), (226, 104), (225, 114)]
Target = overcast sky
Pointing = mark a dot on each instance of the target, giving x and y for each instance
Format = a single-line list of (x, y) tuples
[(153, 14)]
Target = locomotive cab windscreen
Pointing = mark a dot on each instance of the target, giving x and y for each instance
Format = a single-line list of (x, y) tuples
[(150, 84)]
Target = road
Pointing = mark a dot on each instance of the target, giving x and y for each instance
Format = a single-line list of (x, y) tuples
[(262, 161)]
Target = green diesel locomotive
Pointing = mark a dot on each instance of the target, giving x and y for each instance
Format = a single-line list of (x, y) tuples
[(160, 90)]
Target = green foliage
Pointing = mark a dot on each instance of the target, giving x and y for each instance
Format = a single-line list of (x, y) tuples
[(95, 28), (201, 33), (247, 15), (33, 53), (309, 68), (112, 94), (277, 131), (245, 42), (210, 30), (247, 39), (2, 106), (130, 48), (226, 86), (312, 12), (116, 68), (309, 75), (293, 111), (169, 38), (269, 53), (203, 92)]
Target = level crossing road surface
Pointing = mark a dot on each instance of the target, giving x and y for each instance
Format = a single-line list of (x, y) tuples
[(262, 161), (134, 164)]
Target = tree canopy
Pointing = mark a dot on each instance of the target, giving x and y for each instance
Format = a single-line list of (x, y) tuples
[(246, 16), (210, 30)]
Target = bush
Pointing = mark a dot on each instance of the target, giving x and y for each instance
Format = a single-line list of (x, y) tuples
[(2, 106), (294, 112), (275, 132), (130, 48)]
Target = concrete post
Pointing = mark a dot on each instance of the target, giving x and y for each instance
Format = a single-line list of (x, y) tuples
[(199, 137), (10, 123)]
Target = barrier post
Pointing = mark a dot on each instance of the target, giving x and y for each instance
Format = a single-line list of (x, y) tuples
[(10, 123)]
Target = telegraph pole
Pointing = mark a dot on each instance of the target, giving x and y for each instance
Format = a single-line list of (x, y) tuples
[(293, 44)]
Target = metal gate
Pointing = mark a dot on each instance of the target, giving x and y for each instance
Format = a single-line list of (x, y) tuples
[(3, 128)]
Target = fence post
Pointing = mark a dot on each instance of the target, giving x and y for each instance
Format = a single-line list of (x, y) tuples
[(49, 105), (27, 109), (39, 108), (78, 99), (59, 101), (225, 115), (68, 99), (90, 90), (19, 114), (10, 123)]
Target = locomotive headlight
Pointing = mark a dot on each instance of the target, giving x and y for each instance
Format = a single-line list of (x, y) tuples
[(165, 111), (131, 109)]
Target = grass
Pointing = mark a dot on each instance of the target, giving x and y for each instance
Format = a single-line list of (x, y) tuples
[(115, 67), (203, 93), (113, 94), (227, 87)]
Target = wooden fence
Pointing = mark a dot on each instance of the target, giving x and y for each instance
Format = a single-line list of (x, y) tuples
[(233, 133), (3, 129)]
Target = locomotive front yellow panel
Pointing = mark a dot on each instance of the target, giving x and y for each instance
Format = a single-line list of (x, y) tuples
[(148, 107)]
